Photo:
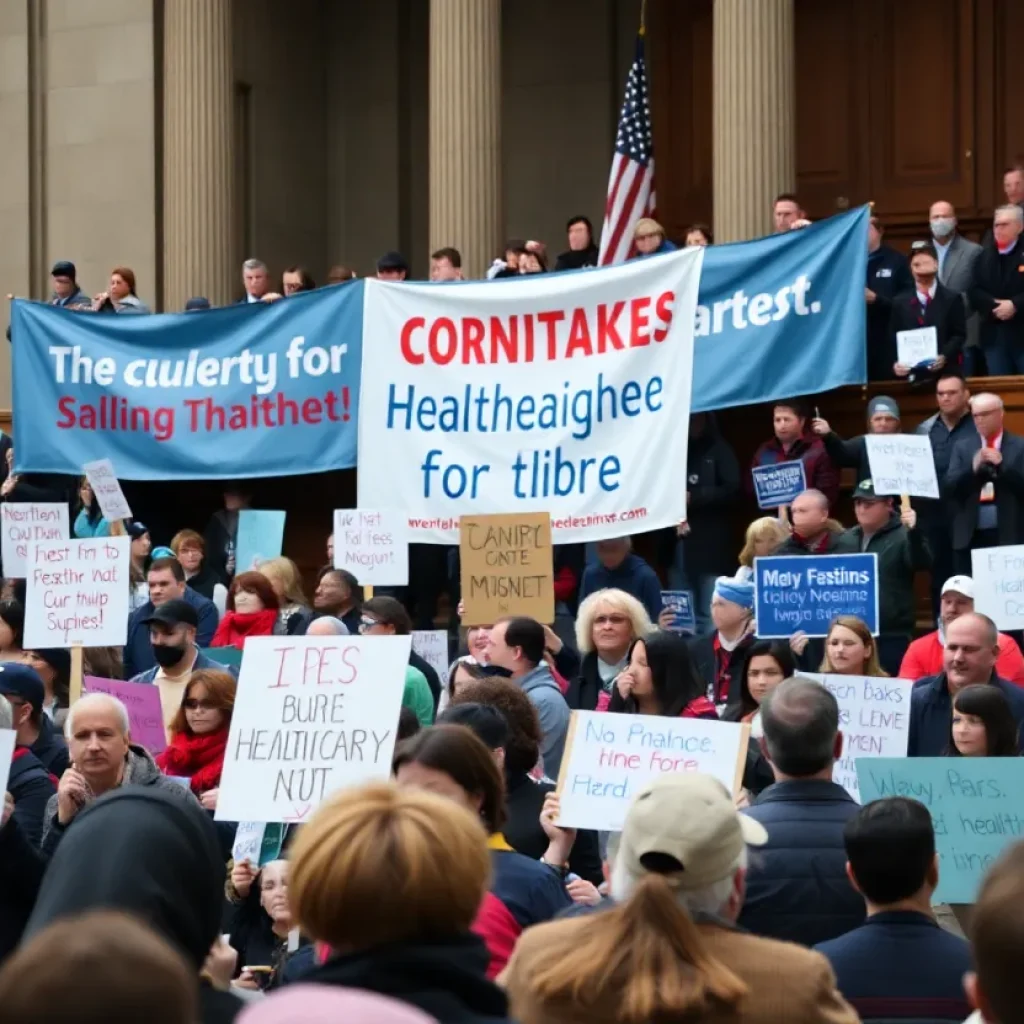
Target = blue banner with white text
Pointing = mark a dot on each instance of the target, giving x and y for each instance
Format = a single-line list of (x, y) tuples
[(242, 391)]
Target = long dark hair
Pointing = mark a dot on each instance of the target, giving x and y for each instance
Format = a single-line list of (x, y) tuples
[(776, 649), (989, 703), (673, 675)]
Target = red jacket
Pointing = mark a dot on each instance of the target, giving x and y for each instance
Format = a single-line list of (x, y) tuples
[(924, 658), (819, 470)]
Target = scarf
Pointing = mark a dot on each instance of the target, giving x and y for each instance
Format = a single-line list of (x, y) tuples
[(236, 626), (198, 758)]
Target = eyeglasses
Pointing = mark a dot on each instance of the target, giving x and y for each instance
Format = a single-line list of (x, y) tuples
[(194, 704), (366, 623), (611, 620), (648, 234)]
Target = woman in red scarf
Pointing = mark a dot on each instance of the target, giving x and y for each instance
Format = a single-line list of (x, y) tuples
[(199, 734), (251, 611)]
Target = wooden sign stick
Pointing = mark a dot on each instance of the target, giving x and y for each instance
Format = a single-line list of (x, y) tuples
[(77, 670)]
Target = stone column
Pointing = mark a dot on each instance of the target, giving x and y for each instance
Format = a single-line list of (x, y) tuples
[(754, 114), (199, 153), (465, 130)]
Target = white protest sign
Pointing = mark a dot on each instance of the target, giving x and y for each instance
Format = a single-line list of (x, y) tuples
[(902, 464), (373, 546), (8, 739), (77, 593), (998, 575), (432, 646), (312, 714), (248, 841), (107, 489), (24, 523), (874, 718), (918, 346), (609, 758), (559, 393)]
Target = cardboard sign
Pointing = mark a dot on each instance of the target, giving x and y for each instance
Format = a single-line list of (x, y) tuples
[(998, 575), (609, 758), (806, 592), (8, 740), (22, 525), (260, 538), (507, 567), (145, 713), (77, 593), (874, 718), (432, 646), (373, 546), (312, 714), (680, 604), (920, 345), (902, 464), (779, 484), (975, 806), (107, 490)]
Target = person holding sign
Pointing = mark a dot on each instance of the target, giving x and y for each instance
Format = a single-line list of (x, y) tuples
[(983, 724), (883, 418), (89, 521)]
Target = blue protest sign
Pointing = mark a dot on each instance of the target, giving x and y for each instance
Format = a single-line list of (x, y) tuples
[(680, 603), (243, 391), (779, 484), (975, 806), (260, 538), (794, 592)]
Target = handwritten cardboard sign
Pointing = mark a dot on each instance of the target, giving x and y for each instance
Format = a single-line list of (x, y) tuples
[(145, 714), (372, 545), (874, 718), (998, 575), (902, 464), (77, 593), (779, 484), (609, 758), (22, 524), (975, 807), (507, 567), (312, 714), (107, 489)]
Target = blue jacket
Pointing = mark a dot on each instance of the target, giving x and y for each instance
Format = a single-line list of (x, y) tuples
[(83, 528), (31, 785), (138, 652), (634, 576), (931, 713), (797, 887), (50, 748), (202, 661), (901, 964), (553, 712)]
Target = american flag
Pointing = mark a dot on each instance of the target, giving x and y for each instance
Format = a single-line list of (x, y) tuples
[(631, 183)]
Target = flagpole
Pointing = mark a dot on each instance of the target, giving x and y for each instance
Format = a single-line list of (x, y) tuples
[(643, 17)]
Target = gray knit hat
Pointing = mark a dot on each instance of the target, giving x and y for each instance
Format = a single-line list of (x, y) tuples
[(883, 404)]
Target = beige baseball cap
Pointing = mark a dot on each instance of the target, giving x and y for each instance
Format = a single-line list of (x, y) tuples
[(691, 819)]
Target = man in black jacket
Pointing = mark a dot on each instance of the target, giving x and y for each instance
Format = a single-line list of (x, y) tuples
[(985, 484), (998, 294), (581, 252), (888, 274), (928, 304), (883, 418)]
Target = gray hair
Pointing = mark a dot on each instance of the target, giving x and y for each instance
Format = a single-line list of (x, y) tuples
[(327, 625), (800, 718), (6, 713), (97, 700), (254, 264), (1011, 208), (986, 397)]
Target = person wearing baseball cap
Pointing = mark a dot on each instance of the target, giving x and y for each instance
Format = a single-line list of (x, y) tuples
[(924, 655), (24, 690), (66, 292), (669, 948), (392, 267), (172, 636), (883, 418)]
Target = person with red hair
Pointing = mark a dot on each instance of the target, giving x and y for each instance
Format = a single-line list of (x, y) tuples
[(251, 611)]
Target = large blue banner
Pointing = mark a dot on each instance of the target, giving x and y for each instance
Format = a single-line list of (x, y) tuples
[(243, 391), (782, 316)]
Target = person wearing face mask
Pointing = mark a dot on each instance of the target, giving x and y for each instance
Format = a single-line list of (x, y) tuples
[(928, 304), (957, 256), (172, 635)]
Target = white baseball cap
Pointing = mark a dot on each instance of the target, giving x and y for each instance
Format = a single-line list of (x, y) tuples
[(959, 585)]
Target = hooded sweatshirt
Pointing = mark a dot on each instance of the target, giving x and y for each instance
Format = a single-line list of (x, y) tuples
[(142, 850), (546, 696)]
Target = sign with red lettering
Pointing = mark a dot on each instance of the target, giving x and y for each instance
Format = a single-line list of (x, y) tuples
[(560, 393), (312, 714), (77, 593), (25, 523)]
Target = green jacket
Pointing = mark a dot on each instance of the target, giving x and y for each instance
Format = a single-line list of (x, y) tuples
[(417, 696), (901, 553)]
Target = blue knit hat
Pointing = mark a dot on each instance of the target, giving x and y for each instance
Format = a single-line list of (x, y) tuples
[(740, 592)]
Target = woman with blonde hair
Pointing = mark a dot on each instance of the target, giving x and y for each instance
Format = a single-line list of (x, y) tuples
[(294, 614), (649, 238), (850, 649), (391, 879), (764, 537), (607, 624)]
